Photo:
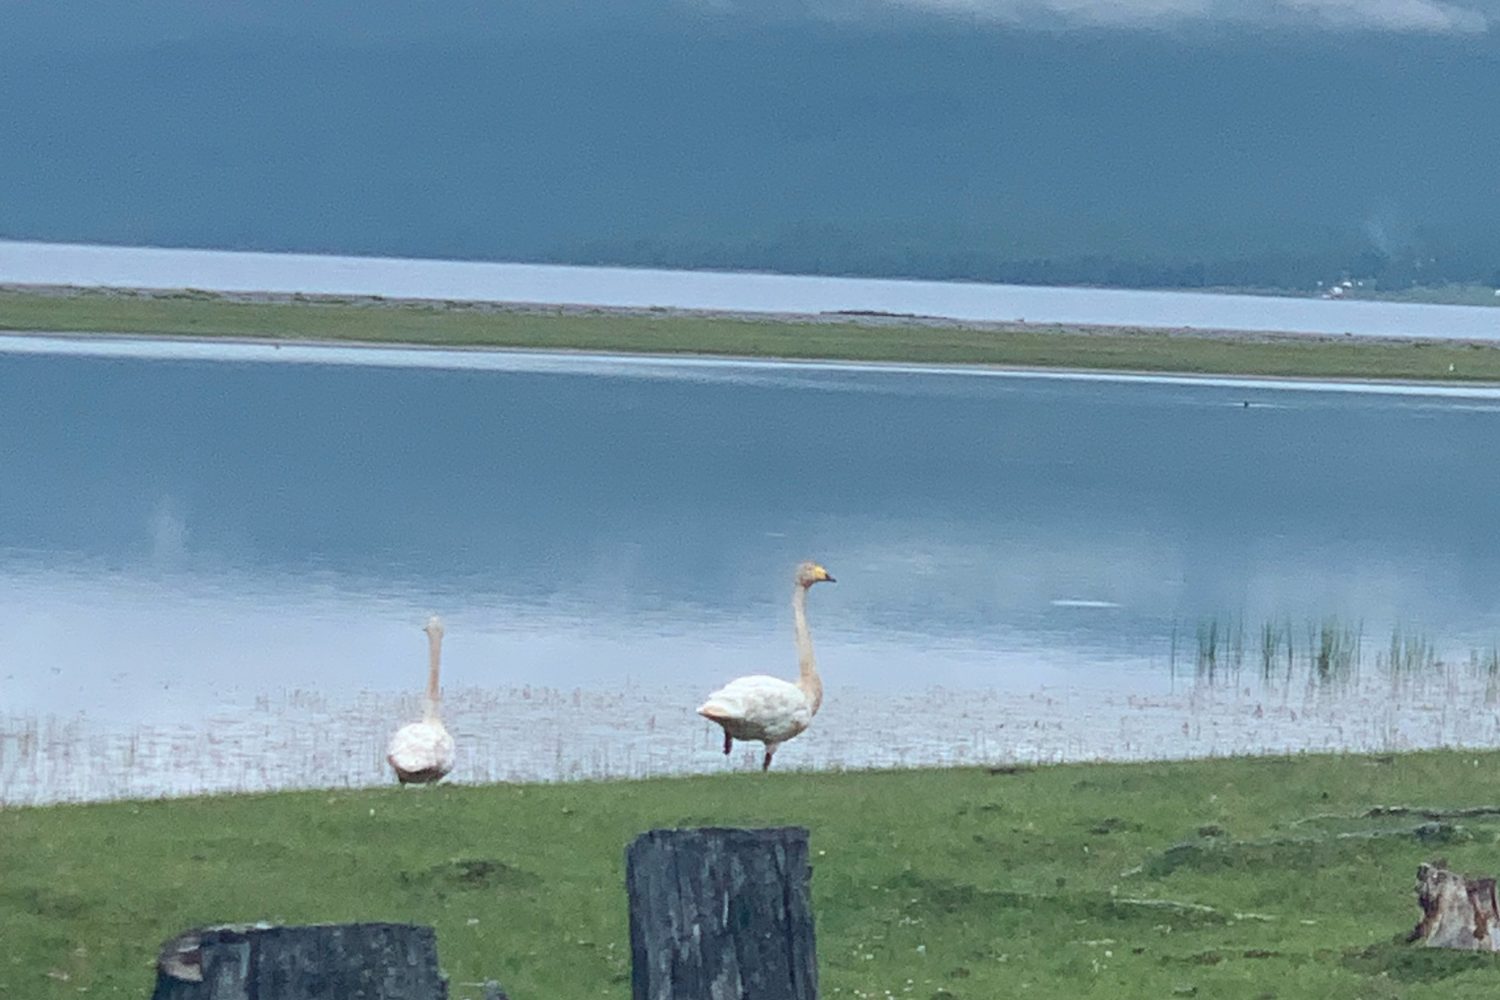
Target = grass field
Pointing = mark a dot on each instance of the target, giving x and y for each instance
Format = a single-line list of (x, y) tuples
[(1236, 878), (205, 314), (1446, 295)]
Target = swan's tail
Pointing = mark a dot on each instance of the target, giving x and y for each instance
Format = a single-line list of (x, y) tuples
[(715, 711)]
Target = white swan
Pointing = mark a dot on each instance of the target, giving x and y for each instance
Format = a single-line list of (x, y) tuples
[(421, 752), (770, 709)]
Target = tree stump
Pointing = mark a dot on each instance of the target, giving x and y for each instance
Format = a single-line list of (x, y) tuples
[(720, 914), (320, 962), (1457, 912)]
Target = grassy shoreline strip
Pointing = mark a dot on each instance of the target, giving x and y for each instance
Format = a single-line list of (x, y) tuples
[(199, 314), (1221, 878)]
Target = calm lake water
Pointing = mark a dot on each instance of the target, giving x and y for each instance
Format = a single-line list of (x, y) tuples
[(215, 560), (138, 267)]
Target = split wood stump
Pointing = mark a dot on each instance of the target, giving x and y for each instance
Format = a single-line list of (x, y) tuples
[(720, 914), (1457, 911), (320, 962)]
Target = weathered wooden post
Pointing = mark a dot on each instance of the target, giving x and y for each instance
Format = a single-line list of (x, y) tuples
[(319, 962), (720, 914), (1457, 912)]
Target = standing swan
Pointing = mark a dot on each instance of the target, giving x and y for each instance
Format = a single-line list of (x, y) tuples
[(421, 752), (770, 709)]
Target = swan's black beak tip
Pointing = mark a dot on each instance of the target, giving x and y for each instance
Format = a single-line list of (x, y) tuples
[(829, 579)]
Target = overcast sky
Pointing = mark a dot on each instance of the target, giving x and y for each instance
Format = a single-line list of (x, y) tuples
[(1429, 16), (1421, 16), (70, 23)]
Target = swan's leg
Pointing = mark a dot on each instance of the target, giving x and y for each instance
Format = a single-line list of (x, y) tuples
[(728, 742), (770, 749)]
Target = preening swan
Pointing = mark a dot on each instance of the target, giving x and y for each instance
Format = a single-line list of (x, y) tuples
[(770, 709), (423, 751)]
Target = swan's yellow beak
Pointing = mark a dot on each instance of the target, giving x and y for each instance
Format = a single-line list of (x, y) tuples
[(822, 575)]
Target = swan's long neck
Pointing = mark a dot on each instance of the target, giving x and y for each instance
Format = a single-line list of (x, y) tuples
[(434, 655), (808, 679)]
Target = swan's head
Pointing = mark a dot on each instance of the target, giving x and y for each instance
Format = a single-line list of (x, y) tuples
[(434, 627), (810, 573)]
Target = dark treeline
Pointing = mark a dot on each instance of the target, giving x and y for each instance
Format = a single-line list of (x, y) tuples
[(661, 133)]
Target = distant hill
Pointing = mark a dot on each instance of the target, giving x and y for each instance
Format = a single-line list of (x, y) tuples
[(663, 134)]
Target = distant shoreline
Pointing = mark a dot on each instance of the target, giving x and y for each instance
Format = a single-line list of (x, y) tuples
[(1360, 311), (852, 335)]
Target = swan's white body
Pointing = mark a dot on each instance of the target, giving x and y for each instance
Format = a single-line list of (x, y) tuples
[(423, 752), (769, 709), (760, 707)]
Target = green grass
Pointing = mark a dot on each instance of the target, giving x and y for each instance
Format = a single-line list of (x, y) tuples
[(204, 314), (1448, 295), (1239, 878)]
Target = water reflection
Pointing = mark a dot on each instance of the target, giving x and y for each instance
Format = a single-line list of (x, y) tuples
[(202, 550)]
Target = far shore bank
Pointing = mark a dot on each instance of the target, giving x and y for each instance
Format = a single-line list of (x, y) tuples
[(857, 336)]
